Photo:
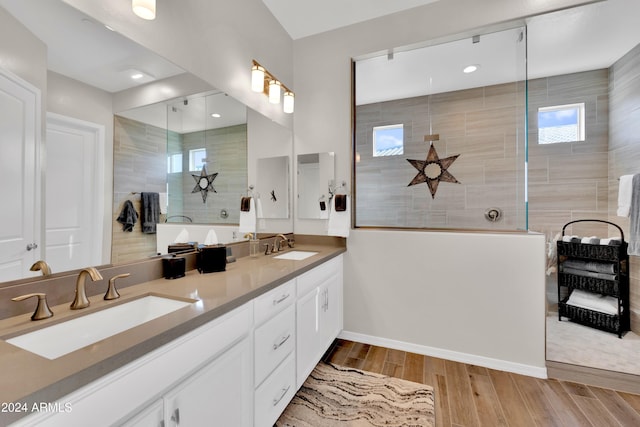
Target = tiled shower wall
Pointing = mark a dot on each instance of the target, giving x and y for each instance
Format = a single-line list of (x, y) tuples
[(139, 164), (567, 181), (227, 156), (624, 150), (484, 126)]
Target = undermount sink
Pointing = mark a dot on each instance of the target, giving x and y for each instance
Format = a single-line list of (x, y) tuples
[(63, 338), (296, 255)]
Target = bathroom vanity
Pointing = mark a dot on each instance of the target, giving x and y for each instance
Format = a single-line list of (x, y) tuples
[(235, 355)]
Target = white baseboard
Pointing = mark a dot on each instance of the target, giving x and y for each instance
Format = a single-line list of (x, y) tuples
[(472, 359)]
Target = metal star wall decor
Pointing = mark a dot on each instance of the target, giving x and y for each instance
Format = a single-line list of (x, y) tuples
[(204, 183), (433, 170)]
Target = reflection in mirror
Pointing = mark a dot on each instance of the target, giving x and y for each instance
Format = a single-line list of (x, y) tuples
[(77, 65), (273, 187), (193, 151), (316, 171)]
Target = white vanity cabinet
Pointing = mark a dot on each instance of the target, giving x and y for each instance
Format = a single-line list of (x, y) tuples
[(318, 314), (241, 369), (274, 347), (217, 395), (203, 370)]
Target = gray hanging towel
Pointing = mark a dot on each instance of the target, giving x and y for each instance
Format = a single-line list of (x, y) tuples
[(128, 216), (150, 210)]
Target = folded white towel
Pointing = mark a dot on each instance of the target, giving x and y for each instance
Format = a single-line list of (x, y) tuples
[(164, 201), (339, 222), (624, 195), (212, 238), (182, 237), (591, 301), (248, 219)]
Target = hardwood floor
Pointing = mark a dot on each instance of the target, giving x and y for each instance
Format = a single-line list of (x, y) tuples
[(467, 395)]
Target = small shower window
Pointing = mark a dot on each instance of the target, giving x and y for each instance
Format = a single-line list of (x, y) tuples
[(561, 123), (197, 158), (388, 140)]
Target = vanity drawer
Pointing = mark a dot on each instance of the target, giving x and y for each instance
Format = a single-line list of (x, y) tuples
[(274, 301), (274, 395), (273, 342)]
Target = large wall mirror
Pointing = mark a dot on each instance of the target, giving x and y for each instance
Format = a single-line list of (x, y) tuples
[(88, 64)]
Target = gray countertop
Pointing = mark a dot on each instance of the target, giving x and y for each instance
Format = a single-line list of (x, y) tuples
[(29, 378)]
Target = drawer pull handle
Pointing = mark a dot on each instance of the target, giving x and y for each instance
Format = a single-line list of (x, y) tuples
[(279, 398), (282, 341), (175, 417), (278, 301)]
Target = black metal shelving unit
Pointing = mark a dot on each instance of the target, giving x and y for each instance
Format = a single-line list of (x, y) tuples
[(613, 258)]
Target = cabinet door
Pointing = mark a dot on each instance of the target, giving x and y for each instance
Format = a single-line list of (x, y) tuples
[(219, 394), (331, 312), (307, 334), (152, 416)]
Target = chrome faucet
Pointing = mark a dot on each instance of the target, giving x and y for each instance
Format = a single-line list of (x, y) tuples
[(277, 244), (80, 300), (41, 266)]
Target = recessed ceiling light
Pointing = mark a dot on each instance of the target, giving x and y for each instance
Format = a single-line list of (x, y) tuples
[(215, 115), (137, 76), (471, 68)]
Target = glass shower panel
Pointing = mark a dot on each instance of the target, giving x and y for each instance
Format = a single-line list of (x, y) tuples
[(460, 160)]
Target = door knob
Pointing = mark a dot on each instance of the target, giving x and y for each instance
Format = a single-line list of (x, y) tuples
[(31, 246)]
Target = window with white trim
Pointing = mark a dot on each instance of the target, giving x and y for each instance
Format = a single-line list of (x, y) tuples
[(197, 158), (561, 123), (388, 140)]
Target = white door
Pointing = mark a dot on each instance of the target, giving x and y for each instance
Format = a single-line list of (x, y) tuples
[(74, 193), (20, 232)]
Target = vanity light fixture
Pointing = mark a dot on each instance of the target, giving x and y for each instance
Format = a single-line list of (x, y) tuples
[(257, 78), (274, 91), (265, 82), (288, 102), (145, 9)]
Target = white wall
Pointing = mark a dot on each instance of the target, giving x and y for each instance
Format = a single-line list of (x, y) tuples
[(472, 297)]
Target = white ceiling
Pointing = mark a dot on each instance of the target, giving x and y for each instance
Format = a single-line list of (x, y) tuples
[(302, 18)]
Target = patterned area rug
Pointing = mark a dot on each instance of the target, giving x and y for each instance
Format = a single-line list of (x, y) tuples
[(335, 396)]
